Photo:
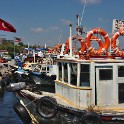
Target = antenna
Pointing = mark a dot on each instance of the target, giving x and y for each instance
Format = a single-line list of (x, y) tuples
[(60, 36), (83, 11), (79, 28)]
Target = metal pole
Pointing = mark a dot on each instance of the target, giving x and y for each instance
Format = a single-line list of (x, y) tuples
[(34, 55), (28, 47), (78, 24), (113, 29), (70, 40), (14, 50)]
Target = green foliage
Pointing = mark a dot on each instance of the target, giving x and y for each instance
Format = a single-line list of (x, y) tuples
[(9, 46)]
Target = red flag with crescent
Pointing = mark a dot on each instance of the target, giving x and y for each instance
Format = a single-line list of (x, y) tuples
[(5, 26)]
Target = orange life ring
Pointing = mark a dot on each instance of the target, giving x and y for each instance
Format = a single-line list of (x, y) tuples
[(83, 46), (57, 49), (103, 46), (99, 41), (81, 40), (115, 48), (67, 44)]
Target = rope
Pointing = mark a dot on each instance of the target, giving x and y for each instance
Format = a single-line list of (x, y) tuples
[(83, 11)]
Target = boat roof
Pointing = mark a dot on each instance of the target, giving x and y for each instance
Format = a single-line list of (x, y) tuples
[(97, 60)]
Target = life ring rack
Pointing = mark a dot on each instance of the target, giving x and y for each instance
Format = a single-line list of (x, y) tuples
[(103, 47), (114, 47)]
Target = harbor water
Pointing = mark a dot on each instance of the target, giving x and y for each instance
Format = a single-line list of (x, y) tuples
[(7, 113)]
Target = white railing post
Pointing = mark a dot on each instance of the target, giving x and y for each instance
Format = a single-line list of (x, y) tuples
[(70, 40)]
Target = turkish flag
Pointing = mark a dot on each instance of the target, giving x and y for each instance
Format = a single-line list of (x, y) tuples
[(17, 39), (6, 26)]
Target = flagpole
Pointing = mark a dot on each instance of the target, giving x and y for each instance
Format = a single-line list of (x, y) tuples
[(28, 47), (14, 49)]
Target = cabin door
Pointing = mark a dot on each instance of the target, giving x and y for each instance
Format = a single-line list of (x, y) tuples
[(104, 81)]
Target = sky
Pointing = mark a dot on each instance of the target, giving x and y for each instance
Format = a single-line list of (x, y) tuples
[(47, 21)]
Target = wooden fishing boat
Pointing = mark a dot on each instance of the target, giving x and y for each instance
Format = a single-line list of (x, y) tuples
[(89, 86)]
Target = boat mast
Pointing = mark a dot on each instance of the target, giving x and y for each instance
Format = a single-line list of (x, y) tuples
[(70, 40), (78, 24)]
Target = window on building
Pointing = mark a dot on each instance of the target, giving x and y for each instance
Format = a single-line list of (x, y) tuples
[(120, 71), (85, 75), (121, 92), (105, 74)]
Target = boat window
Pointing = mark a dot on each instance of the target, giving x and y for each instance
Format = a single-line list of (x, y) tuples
[(60, 71), (73, 74), (120, 71), (85, 75), (121, 92), (65, 72), (44, 68), (106, 74), (48, 68)]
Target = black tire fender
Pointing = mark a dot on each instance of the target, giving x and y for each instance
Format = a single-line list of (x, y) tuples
[(92, 117), (47, 107), (22, 113)]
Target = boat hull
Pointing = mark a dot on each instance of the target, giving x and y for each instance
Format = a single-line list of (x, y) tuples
[(64, 114), (60, 118)]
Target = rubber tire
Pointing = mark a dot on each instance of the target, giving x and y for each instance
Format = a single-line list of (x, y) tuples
[(48, 102), (91, 116), (22, 113)]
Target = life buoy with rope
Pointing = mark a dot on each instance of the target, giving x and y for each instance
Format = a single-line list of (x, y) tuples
[(57, 48), (47, 107), (67, 44), (103, 46), (83, 46), (80, 39), (115, 48)]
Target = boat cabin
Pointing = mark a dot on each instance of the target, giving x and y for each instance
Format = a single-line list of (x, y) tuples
[(96, 83)]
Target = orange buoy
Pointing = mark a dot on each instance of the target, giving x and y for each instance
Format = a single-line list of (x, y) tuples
[(115, 48), (103, 47), (82, 42), (67, 44), (83, 46), (57, 49)]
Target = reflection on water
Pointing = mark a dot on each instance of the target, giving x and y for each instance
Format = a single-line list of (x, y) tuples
[(7, 113)]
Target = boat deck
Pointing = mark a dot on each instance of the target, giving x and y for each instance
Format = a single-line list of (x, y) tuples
[(60, 100), (64, 102)]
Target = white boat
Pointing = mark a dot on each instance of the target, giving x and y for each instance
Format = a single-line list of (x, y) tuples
[(89, 87)]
